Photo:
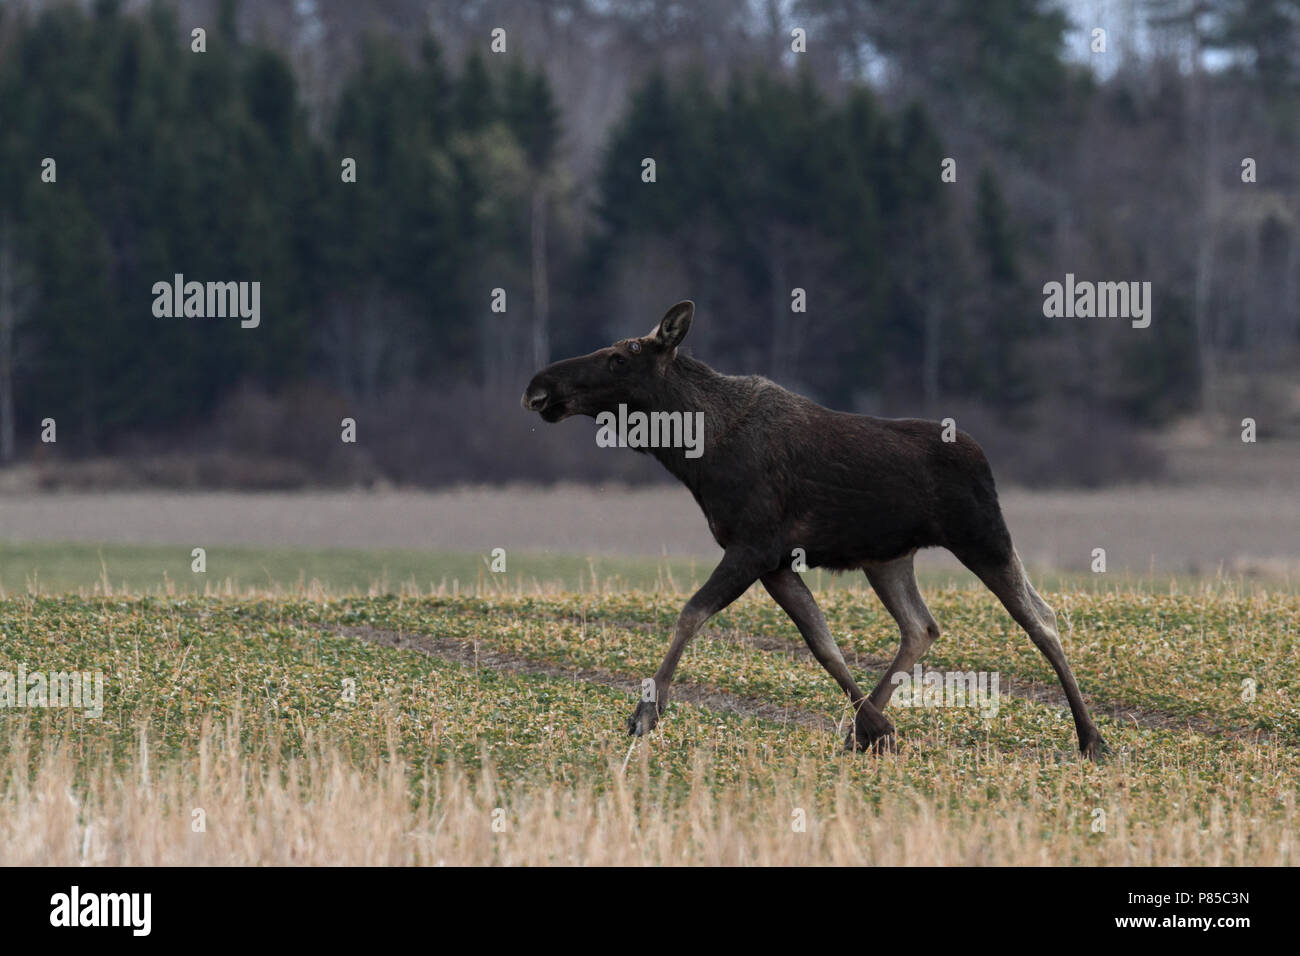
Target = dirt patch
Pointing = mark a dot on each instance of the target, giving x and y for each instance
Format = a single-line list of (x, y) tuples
[(1049, 695), (470, 654)]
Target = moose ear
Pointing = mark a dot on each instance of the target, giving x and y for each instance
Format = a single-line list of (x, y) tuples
[(672, 328)]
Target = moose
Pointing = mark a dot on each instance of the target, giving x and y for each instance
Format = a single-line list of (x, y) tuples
[(779, 472)]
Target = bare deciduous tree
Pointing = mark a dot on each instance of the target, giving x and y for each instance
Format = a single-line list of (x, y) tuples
[(16, 298)]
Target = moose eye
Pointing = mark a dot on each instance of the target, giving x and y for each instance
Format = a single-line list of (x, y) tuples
[(634, 346)]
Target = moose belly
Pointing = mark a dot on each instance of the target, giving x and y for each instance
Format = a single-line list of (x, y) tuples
[(856, 544)]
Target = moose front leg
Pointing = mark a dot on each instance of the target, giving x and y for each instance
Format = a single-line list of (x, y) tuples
[(738, 569), (871, 729)]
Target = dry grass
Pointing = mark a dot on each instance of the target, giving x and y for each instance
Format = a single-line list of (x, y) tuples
[(233, 707), (324, 809)]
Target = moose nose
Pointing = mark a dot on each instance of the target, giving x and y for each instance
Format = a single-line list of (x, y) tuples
[(533, 399)]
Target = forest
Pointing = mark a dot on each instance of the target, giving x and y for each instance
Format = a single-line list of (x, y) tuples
[(866, 200)]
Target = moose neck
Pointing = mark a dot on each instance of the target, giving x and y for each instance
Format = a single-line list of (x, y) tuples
[(690, 386)]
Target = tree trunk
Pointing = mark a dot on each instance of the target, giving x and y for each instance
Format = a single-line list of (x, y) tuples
[(1206, 240), (7, 437), (777, 362), (930, 354), (9, 318), (541, 289)]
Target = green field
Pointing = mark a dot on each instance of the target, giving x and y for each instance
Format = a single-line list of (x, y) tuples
[(297, 708), (78, 567), (57, 567)]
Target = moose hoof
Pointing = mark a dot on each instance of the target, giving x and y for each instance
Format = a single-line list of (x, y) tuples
[(1093, 747), (871, 737), (643, 719), (884, 744)]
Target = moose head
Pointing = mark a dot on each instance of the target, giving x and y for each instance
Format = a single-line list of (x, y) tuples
[(630, 372)]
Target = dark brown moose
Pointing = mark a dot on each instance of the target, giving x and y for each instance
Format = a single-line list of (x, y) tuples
[(778, 472)]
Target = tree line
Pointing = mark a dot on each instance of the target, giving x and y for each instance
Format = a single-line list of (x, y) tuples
[(424, 237)]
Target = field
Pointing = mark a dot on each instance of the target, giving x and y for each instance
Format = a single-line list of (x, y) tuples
[(349, 682), (308, 725), (1246, 527)]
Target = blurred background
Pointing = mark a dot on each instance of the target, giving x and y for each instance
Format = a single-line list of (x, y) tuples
[(1115, 156)]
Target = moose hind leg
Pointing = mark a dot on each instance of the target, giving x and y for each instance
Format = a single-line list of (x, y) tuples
[(1008, 581), (895, 585)]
